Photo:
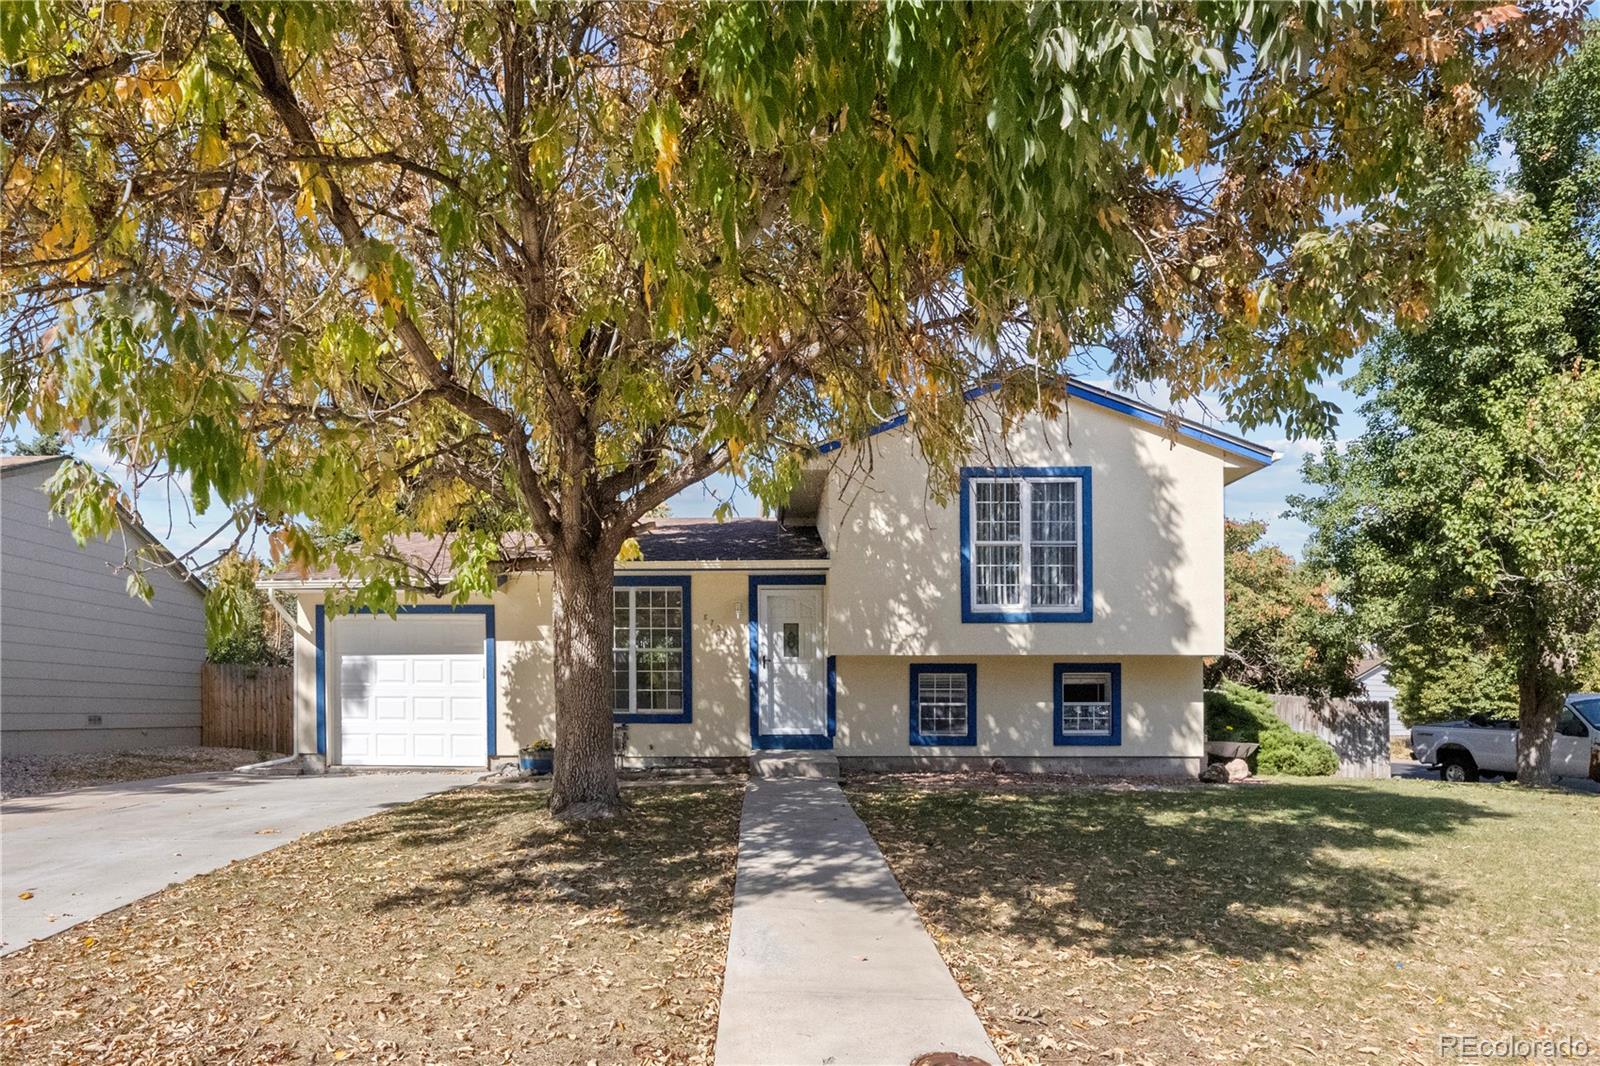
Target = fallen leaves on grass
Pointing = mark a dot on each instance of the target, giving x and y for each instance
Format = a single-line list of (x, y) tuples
[(1287, 923), (465, 927)]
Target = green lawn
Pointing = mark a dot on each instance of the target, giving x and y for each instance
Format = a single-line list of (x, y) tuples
[(1289, 921), (464, 928)]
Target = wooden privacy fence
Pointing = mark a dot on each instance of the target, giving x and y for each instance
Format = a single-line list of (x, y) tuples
[(1357, 730), (247, 706)]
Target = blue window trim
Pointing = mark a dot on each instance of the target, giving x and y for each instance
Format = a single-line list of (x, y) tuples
[(760, 741), (970, 672), (1112, 739), (1084, 476), (421, 608), (682, 583)]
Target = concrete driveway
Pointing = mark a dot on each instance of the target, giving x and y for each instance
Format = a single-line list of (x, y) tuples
[(92, 850)]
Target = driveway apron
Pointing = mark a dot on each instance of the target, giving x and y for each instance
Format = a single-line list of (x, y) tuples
[(77, 855), (827, 960)]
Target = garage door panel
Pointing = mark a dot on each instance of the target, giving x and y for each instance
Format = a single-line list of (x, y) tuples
[(389, 670), (390, 745), (428, 671), (412, 690)]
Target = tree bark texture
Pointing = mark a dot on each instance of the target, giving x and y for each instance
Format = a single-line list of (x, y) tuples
[(585, 783), (1538, 707)]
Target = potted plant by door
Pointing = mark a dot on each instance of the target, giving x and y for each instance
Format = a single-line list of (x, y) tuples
[(538, 757)]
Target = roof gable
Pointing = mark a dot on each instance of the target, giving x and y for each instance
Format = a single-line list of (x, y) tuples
[(1188, 430)]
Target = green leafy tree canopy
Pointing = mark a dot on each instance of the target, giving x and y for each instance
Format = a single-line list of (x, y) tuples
[(1283, 632), (1466, 518), (356, 267)]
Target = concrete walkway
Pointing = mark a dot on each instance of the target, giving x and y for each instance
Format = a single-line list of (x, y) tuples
[(85, 852), (827, 960)]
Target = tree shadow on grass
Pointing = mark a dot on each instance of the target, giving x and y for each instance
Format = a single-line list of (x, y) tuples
[(1248, 872), (667, 861)]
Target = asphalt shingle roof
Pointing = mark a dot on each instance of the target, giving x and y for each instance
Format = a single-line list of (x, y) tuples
[(669, 540)]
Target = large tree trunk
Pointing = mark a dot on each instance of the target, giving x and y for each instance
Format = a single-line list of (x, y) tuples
[(585, 784), (1538, 707)]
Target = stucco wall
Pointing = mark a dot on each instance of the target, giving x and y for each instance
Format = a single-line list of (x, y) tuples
[(1162, 712), (895, 578), (893, 596), (1161, 708), (524, 649)]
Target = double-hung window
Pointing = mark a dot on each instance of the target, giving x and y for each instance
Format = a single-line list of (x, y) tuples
[(944, 704), (1088, 703), (1025, 537), (650, 649)]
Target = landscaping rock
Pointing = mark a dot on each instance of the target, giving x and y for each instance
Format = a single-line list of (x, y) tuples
[(1237, 769), (1215, 774)]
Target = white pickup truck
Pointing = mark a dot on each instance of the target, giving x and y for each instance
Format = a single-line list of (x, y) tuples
[(1484, 747)]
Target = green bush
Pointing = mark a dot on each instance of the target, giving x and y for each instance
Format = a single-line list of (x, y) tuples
[(1241, 714), (1285, 752)]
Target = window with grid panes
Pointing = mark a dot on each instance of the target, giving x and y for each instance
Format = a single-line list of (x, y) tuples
[(942, 709), (647, 650), (1026, 543)]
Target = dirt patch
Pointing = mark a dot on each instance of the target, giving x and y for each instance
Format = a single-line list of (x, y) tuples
[(468, 927), (1302, 922), (31, 775)]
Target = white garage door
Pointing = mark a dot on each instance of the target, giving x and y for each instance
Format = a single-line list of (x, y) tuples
[(412, 690)]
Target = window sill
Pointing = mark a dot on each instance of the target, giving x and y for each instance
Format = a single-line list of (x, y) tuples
[(652, 717), (1014, 615)]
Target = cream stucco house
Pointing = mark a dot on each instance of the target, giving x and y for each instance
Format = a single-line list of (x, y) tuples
[(1054, 615)]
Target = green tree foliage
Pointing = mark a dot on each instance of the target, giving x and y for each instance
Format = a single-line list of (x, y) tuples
[(237, 614), (1235, 712), (40, 444), (1283, 633), (1440, 681), (362, 267), (1466, 519)]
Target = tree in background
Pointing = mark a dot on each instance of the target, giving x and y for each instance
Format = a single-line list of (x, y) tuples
[(39, 444), (1283, 633), (1439, 679), (359, 267), (241, 624), (1466, 519)]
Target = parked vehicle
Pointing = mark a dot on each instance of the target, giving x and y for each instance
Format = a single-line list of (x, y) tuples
[(1479, 747)]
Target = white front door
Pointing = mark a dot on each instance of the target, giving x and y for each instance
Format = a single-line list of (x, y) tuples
[(412, 690), (792, 667)]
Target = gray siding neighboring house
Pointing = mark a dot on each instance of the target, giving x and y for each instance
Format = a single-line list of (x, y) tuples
[(84, 666), (1372, 674)]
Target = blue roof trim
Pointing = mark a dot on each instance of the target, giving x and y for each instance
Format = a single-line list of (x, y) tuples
[(1124, 405)]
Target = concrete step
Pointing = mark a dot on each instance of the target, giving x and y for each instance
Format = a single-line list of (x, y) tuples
[(818, 765)]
